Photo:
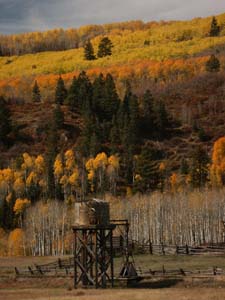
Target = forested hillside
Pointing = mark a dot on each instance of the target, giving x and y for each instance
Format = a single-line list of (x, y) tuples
[(116, 109)]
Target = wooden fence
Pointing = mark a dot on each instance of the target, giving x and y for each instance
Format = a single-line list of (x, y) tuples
[(64, 268), (60, 267), (162, 249)]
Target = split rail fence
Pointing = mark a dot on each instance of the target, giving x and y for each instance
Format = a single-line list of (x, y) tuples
[(178, 250)]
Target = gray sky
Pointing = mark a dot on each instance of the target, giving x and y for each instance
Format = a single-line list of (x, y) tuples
[(34, 15)]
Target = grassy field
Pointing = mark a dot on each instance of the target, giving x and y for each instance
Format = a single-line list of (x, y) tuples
[(134, 294), (145, 262), (62, 288)]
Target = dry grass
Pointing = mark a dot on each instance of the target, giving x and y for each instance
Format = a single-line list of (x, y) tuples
[(62, 288), (129, 294)]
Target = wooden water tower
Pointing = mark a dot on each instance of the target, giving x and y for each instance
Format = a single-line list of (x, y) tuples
[(93, 245)]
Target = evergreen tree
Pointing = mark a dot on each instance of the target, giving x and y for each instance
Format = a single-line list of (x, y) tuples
[(123, 111), (111, 102), (114, 137), (84, 88), (58, 117), (199, 167), (215, 28), (36, 95), (99, 97), (213, 64), (147, 170), (72, 97), (203, 136), (133, 125), (51, 152), (105, 47), (5, 121), (162, 123), (60, 91), (148, 117), (7, 215), (85, 138), (184, 167), (95, 144), (89, 51)]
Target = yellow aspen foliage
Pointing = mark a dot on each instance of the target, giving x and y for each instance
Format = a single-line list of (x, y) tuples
[(173, 180), (20, 205), (69, 159), (218, 154), (162, 167), (28, 161), (73, 179), (114, 161), (138, 177), (8, 175), (16, 242), (9, 198), (1, 176), (58, 166), (217, 170), (188, 179), (39, 164), (90, 164), (19, 184), (100, 161), (129, 192), (91, 175), (64, 180), (3, 243), (42, 183), (31, 179)]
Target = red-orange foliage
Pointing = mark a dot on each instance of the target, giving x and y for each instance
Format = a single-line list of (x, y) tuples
[(165, 71)]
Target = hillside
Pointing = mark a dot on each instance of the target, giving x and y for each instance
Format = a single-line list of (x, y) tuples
[(168, 58)]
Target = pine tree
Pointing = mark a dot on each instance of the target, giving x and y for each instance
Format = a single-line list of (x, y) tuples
[(133, 125), (215, 28), (72, 97), (7, 215), (114, 137), (85, 91), (147, 170), (51, 152), (99, 97), (213, 64), (95, 144), (123, 111), (58, 117), (184, 167), (148, 117), (199, 167), (111, 102), (162, 123), (105, 47), (89, 128), (5, 121), (89, 51), (60, 91), (36, 95)]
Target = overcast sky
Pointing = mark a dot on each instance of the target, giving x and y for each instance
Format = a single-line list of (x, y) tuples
[(34, 15)]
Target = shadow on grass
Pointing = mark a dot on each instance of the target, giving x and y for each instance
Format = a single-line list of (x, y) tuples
[(160, 284)]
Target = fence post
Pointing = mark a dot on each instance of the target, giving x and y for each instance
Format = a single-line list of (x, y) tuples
[(187, 249), (177, 249), (150, 248), (163, 250)]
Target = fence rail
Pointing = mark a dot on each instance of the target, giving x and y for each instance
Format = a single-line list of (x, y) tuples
[(162, 249)]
